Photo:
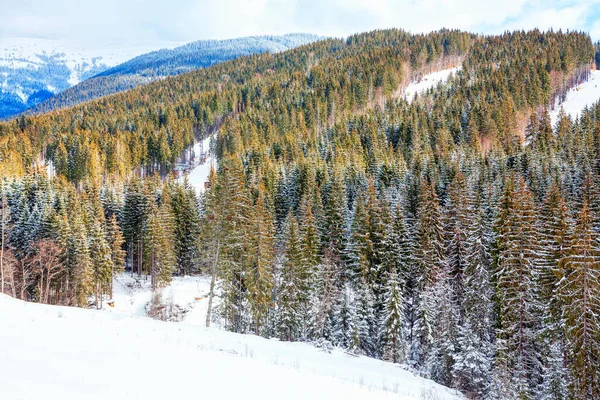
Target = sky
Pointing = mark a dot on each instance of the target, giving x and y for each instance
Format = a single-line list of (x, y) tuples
[(143, 22)]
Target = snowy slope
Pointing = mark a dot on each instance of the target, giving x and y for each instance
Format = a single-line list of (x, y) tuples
[(199, 173), (579, 98), (427, 82), (68, 353)]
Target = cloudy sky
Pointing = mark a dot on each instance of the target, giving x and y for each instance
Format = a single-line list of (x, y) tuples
[(134, 22)]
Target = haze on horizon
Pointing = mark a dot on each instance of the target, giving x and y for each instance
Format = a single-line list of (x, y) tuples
[(135, 23)]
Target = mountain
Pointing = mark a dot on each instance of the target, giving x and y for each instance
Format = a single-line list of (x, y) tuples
[(33, 70), (167, 62)]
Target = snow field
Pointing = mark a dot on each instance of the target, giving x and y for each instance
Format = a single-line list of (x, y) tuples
[(578, 98), (427, 82), (56, 352), (199, 174)]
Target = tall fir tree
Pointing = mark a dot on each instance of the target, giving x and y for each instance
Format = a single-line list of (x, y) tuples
[(518, 255), (580, 292)]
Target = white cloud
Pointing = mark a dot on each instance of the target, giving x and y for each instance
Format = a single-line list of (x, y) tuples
[(595, 30), (131, 22)]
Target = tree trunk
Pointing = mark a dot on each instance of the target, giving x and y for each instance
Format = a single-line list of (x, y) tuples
[(213, 273)]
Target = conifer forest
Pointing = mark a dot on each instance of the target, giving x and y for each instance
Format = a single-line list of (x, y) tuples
[(456, 233)]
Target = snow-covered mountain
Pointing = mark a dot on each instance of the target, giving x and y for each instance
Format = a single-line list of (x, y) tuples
[(32, 70)]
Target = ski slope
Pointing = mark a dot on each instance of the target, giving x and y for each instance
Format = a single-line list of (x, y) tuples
[(68, 353), (427, 82), (579, 98)]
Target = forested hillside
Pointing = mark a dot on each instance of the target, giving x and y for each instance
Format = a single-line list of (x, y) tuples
[(457, 233), (168, 62)]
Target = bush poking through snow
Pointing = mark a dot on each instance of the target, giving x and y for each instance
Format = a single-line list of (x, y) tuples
[(323, 344), (165, 310)]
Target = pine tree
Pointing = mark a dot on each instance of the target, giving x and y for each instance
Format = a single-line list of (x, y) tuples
[(457, 222), (367, 332), (555, 221), (102, 264), (186, 226), (292, 284), (580, 292), (344, 320), (335, 207), (518, 255), (159, 251), (430, 270), (360, 246), (117, 254), (79, 262), (474, 348), (392, 339), (260, 256), (227, 216), (135, 213)]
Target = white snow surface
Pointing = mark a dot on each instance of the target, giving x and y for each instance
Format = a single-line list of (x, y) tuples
[(579, 97), (200, 172), (65, 353), (427, 82)]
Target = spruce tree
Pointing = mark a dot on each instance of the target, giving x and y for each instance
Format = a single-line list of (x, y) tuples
[(260, 257), (580, 292), (392, 340), (117, 254), (292, 286), (430, 271), (102, 264), (518, 255), (159, 252), (186, 227)]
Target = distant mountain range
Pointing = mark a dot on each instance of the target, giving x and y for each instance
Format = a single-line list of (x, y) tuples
[(33, 70), (48, 79)]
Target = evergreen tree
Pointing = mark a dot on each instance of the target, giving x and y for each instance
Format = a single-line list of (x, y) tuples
[(158, 244), (293, 287), (135, 213), (430, 271), (117, 254), (580, 291), (518, 255), (186, 227), (392, 333), (474, 348), (260, 256), (102, 265)]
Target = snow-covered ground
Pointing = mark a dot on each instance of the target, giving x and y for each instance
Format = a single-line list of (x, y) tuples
[(579, 98), (199, 173), (65, 353), (427, 82), (131, 294)]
